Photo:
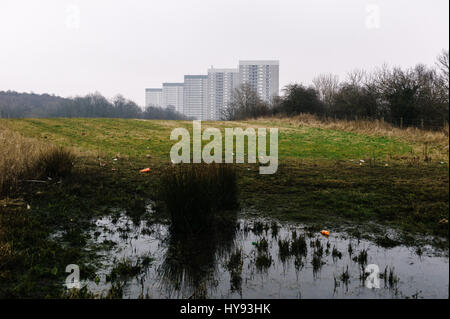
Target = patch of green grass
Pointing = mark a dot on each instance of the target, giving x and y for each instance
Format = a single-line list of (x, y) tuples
[(137, 138)]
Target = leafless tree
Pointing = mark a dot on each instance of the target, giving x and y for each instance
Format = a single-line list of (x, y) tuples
[(443, 63), (357, 77), (327, 85), (245, 104)]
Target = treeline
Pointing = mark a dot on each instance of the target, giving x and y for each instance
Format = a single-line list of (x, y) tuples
[(26, 105), (417, 96)]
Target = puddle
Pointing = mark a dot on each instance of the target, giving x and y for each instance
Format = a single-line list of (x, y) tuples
[(255, 258)]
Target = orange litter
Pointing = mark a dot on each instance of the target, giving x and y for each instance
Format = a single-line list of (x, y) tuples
[(145, 170), (325, 232)]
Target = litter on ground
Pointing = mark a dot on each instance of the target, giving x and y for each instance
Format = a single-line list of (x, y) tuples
[(325, 232)]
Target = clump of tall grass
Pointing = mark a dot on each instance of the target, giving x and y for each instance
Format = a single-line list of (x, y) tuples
[(54, 162), (195, 193), (27, 158)]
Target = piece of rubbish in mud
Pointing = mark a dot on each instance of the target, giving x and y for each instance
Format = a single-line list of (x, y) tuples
[(325, 232), (362, 161), (145, 170), (443, 221)]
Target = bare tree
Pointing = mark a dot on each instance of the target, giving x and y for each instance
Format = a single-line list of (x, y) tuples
[(327, 85), (357, 77), (443, 63), (443, 67), (245, 104)]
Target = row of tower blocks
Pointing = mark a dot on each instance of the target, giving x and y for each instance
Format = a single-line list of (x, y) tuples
[(204, 97)]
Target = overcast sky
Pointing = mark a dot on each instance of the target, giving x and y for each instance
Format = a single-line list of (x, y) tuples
[(75, 47)]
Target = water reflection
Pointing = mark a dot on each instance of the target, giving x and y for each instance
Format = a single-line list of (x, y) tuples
[(255, 258), (191, 262)]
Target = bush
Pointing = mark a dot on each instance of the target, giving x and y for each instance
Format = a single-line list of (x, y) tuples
[(195, 193)]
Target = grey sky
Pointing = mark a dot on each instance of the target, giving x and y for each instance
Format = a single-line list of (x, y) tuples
[(125, 46)]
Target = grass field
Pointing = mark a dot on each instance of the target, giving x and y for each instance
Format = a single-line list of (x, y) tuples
[(136, 138), (403, 183)]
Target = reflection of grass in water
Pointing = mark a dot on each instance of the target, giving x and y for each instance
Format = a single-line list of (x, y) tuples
[(262, 245), (335, 253), (263, 261), (361, 259), (234, 266), (275, 228), (190, 263), (345, 276), (284, 250), (127, 268), (263, 258), (299, 246), (298, 263), (259, 227), (317, 261), (350, 249), (391, 280)]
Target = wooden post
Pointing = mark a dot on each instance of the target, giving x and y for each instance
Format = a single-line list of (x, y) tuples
[(401, 122), (421, 123)]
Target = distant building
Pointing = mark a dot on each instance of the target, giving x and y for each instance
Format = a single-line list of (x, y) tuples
[(196, 97), (262, 76), (172, 95), (221, 84), (205, 97), (153, 97)]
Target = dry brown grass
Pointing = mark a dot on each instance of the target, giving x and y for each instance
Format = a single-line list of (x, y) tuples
[(27, 158)]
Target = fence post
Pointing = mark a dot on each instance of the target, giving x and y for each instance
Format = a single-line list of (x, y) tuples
[(421, 123), (401, 122)]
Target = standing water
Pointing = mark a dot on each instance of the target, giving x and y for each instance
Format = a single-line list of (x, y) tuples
[(258, 258)]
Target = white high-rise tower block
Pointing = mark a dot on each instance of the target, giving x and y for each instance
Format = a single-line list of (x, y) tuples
[(221, 84), (196, 97), (172, 95), (262, 76), (153, 97)]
